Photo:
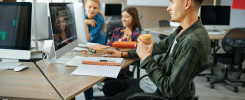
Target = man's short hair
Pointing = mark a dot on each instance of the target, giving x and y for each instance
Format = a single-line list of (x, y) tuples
[(198, 2)]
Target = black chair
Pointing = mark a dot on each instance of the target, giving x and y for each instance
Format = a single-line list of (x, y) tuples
[(234, 46), (163, 23), (112, 24), (186, 94), (115, 22)]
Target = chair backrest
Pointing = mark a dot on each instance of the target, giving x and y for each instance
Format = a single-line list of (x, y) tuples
[(211, 62), (235, 38), (234, 43), (163, 23), (111, 26)]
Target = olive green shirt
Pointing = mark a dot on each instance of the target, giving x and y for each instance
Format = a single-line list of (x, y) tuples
[(175, 70)]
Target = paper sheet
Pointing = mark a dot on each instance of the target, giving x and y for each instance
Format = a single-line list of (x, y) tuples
[(96, 70)]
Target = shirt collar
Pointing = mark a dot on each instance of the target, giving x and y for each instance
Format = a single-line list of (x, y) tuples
[(188, 30)]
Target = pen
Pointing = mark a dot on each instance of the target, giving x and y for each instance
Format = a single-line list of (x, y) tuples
[(106, 61)]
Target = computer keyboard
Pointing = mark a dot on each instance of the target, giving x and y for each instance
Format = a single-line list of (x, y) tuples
[(8, 65), (74, 61)]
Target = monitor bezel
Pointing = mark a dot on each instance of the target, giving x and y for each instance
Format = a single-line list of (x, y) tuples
[(12, 55), (212, 27), (29, 5), (65, 49), (104, 7), (201, 8)]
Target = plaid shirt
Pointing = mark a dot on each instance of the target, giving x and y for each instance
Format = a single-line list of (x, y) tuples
[(175, 70), (117, 34)]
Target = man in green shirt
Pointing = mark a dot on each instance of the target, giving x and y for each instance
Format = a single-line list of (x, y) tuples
[(187, 50)]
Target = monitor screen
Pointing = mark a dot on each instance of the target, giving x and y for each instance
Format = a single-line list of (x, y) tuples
[(63, 24), (15, 26), (215, 15), (113, 9)]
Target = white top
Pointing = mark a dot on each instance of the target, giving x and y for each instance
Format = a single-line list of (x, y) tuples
[(173, 45), (147, 85)]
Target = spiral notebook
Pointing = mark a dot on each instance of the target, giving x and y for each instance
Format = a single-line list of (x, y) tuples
[(100, 70)]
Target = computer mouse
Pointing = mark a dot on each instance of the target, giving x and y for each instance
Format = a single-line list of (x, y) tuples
[(21, 67)]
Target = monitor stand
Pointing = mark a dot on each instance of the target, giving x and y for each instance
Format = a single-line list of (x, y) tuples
[(214, 29), (9, 63), (52, 57)]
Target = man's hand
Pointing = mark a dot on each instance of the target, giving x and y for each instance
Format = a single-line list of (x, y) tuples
[(91, 22), (113, 53), (144, 50)]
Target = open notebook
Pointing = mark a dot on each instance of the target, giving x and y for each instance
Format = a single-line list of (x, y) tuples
[(106, 69)]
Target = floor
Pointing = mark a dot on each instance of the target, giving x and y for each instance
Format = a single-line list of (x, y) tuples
[(203, 91), (221, 91)]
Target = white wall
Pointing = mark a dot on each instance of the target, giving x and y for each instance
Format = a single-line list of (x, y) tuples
[(237, 18), (48, 0), (157, 3)]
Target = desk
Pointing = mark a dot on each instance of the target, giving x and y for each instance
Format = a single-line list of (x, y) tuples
[(70, 85), (169, 30), (27, 84)]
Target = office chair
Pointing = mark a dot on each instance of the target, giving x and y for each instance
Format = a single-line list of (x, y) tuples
[(112, 24), (186, 94), (116, 22), (163, 23), (234, 46)]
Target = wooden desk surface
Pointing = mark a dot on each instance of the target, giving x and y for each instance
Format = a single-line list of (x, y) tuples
[(70, 85), (26, 84), (168, 30)]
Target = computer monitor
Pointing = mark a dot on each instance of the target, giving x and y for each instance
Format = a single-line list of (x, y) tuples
[(215, 17), (112, 9), (41, 20), (80, 23), (15, 30), (63, 28)]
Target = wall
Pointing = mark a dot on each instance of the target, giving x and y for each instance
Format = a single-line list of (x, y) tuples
[(151, 15), (237, 15), (157, 3), (8, 0)]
